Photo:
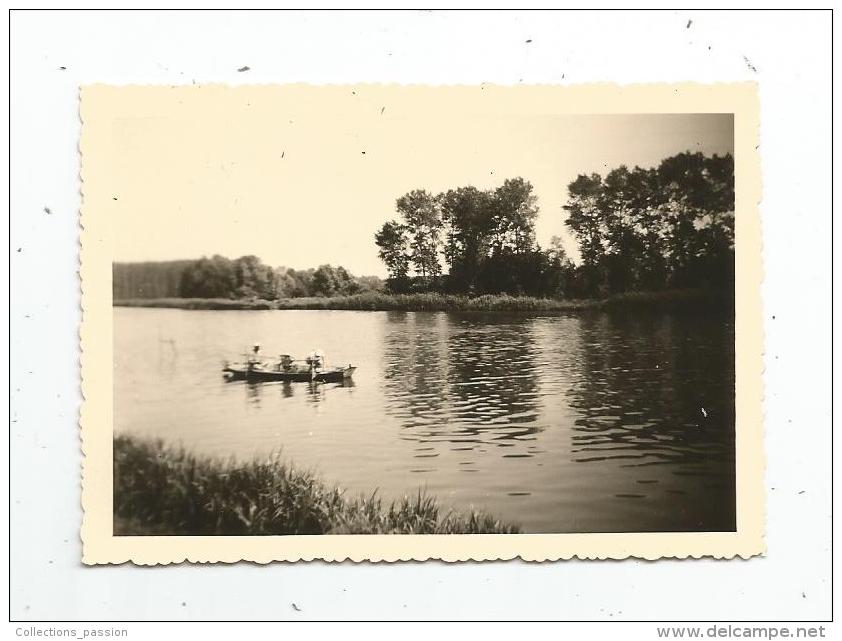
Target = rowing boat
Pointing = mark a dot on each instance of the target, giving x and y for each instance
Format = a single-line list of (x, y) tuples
[(311, 369), (254, 372)]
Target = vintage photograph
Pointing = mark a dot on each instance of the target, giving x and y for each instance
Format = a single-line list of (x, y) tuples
[(415, 311), (410, 314)]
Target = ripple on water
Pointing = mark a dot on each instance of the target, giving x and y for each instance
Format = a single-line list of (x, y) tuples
[(549, 414)]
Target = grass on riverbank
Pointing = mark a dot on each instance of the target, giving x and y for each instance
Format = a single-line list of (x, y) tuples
[(166, 490), (378, 301), (196, 303)]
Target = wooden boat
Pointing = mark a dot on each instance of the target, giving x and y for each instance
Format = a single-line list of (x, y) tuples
[(258, 373), (312, 369)]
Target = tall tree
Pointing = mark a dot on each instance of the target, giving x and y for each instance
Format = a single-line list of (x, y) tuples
[(585, 216), (423, 223), (515, 211), (646, 228), (480, 232), (391, 239), (698, 194), (469, 214)]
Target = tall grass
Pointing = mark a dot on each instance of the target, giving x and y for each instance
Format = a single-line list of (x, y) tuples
[(167, 490), (432, 302)]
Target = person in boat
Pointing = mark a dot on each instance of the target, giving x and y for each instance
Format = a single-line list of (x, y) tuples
[(314, 361), (254, 357)]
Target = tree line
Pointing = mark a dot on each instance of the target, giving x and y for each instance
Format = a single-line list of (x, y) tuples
[(670, 226), (241, 278)]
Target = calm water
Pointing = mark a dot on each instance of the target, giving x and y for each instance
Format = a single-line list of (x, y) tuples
[(578, 423)]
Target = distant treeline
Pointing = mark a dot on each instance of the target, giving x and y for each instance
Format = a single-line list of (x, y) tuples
[(242, 278), (637, 230), (147, 280), (669, 227)]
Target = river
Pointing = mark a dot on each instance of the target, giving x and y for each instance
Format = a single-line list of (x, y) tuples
[(588, 422)]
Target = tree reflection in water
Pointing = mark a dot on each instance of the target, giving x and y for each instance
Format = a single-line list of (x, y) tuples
[(645, 403), (461, 382), (634, 411), (588, 421)]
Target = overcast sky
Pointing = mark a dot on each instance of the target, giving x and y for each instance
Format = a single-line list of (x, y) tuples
[(299, 189)]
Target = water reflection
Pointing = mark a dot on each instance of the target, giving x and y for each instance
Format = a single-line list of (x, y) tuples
[(628, 393), (314, 391), (632, 406), (460, 383), (493, 382), (587, 422), (634, 411), (415, 363)]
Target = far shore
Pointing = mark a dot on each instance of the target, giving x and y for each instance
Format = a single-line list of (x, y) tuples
[(434, 302)]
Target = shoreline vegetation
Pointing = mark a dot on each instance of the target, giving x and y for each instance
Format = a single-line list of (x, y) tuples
[(435, 302), (646, 237), (166, 490)]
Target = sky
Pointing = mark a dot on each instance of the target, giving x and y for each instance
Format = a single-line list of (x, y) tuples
[(306, 182)]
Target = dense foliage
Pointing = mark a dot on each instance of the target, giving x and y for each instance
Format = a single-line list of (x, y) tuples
[(243, 278), (147, 280), (672, 226), (666, 227), (637, 230)]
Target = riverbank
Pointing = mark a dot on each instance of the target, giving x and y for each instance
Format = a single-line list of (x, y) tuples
[(161, 490), (434, 302)]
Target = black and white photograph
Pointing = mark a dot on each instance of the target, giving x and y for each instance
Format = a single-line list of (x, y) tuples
[(398, 315), (360, 318)]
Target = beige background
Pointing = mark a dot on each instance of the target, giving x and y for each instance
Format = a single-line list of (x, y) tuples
[(261, 172), (103, 108)]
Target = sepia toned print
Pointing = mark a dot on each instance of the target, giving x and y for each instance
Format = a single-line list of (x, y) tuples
[(383, 323)]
